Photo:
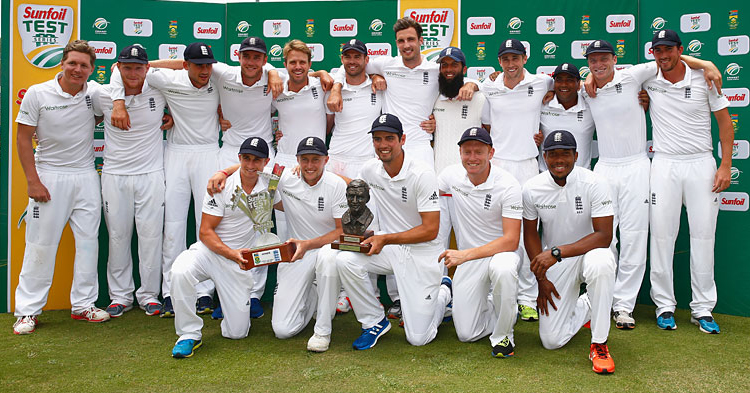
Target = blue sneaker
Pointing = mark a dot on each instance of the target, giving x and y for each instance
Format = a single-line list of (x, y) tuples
[(665, 321), (217, 314), (706, 324), (370, 336), (167, 311), (185, 348), (204, 305), (448, 314), (256, 309)]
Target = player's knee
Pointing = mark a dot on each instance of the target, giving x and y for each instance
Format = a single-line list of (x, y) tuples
[(551, 342), (600, 262), (465, 335), (283, 331), (421, 338), (344, 262), (504, 266)]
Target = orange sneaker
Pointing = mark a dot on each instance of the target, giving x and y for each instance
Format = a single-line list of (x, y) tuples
[(602, 361)]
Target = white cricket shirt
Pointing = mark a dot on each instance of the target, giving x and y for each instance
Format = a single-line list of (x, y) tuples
[(514, 114), (400, 199), (619, 117), (311, 210), (576, 119), (566, 212), (681, 112), (452, 118), (64, 125), (301, 114), (350, 131), (477, 211), (140, 149)]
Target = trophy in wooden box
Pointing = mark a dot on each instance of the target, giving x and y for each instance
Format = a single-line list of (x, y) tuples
[(356, 219)]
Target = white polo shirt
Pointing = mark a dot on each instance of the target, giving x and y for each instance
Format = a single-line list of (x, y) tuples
[(452, 118), (411, 93), (301, 114), (311, 210), (619, 117), (576, 119), (64, 125), (478, 211), (566, 212), (350, 131), (681, 112), (138, 150), (196, 122), (248, 108), (400, 199), (514, 114), (235, 229)]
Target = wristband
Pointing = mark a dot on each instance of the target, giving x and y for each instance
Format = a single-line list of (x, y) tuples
[(224, 172)]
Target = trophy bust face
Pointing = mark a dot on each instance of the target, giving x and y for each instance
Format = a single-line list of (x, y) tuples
[(358, 217)]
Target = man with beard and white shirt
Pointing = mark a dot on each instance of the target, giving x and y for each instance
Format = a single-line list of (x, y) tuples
[(683, 172), (514, 106), (487, 212), (63, 187), (191, 153), (612, 96)]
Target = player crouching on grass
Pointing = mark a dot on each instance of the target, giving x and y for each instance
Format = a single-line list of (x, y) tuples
[(224, 236), (575, 210)]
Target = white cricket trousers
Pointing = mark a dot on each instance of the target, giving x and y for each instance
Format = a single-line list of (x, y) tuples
[(297, 298), (129, 198), (418, 274), (76, 199), (186, 171), (474, 314), (527, 288), (198, 264), (597, 269), (628, 181), (676, 181)]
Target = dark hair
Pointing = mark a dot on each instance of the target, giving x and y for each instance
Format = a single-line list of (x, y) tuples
[(405, 23)]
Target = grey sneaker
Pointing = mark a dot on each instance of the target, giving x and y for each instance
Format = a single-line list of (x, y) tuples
[(623, 320), (153, 308), (395, 311), (116, 309)]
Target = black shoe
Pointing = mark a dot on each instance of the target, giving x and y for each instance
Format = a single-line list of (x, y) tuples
[(205, 305), (167, 311), (503, 349)]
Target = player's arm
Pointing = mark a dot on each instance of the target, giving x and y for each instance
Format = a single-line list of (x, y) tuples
[(172, 64), (466, 92), (710, 72), (217, 182), (424, 232), (326, 81), (318, 242), (34, 187), (726, 137), (330, 120), (507, 242), (211, 240), (533, 245)]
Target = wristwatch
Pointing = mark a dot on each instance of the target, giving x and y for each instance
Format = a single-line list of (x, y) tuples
[(557, 254)]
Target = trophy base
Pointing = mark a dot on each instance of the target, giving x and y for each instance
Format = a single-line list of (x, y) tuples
[(268, 255), (348, 242)]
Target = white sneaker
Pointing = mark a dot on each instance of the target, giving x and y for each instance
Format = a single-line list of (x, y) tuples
[(25, 325), (318, 343), (343, 306), (91, 314), (623, 320)]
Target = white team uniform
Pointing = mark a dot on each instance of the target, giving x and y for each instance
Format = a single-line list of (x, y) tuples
[(452, 118), (248, 108), (566, 215), (474, 314), (312, 213), (400, 200), (198, 264), (190, 157), (682, 172), (514, 118), (133, 189), (65, 163), (576, 119), (351, 144), (621, 136)]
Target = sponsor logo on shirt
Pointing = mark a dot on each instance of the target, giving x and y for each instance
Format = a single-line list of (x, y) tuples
[(291, 195), (542, 206), (212, 203), (460, 191), (395, 74), (376, 186), (433, 197)]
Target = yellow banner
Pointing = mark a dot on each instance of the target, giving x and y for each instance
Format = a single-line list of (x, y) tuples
[(440, 23), (41, 29)]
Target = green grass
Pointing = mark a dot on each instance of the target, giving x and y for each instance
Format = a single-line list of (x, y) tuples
[(132, 353)]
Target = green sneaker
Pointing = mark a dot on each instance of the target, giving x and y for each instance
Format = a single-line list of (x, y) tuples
[(528, 314)]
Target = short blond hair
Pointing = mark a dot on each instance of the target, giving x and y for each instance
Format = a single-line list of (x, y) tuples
[(80, 46), (298, 46)]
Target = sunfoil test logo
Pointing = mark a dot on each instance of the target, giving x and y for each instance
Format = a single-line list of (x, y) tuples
[(437, 24), (44, 31)]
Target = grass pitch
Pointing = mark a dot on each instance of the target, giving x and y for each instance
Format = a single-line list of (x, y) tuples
[(132, 353)]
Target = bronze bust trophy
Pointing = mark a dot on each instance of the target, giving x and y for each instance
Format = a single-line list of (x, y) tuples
[(356, 219)]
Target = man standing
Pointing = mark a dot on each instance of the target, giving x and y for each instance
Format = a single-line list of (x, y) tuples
[(684, 172), (575, 210), (406, 195), (515, 103), (224, 236), (487, 212), (191, 153), (63, 187), (133, 186)]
